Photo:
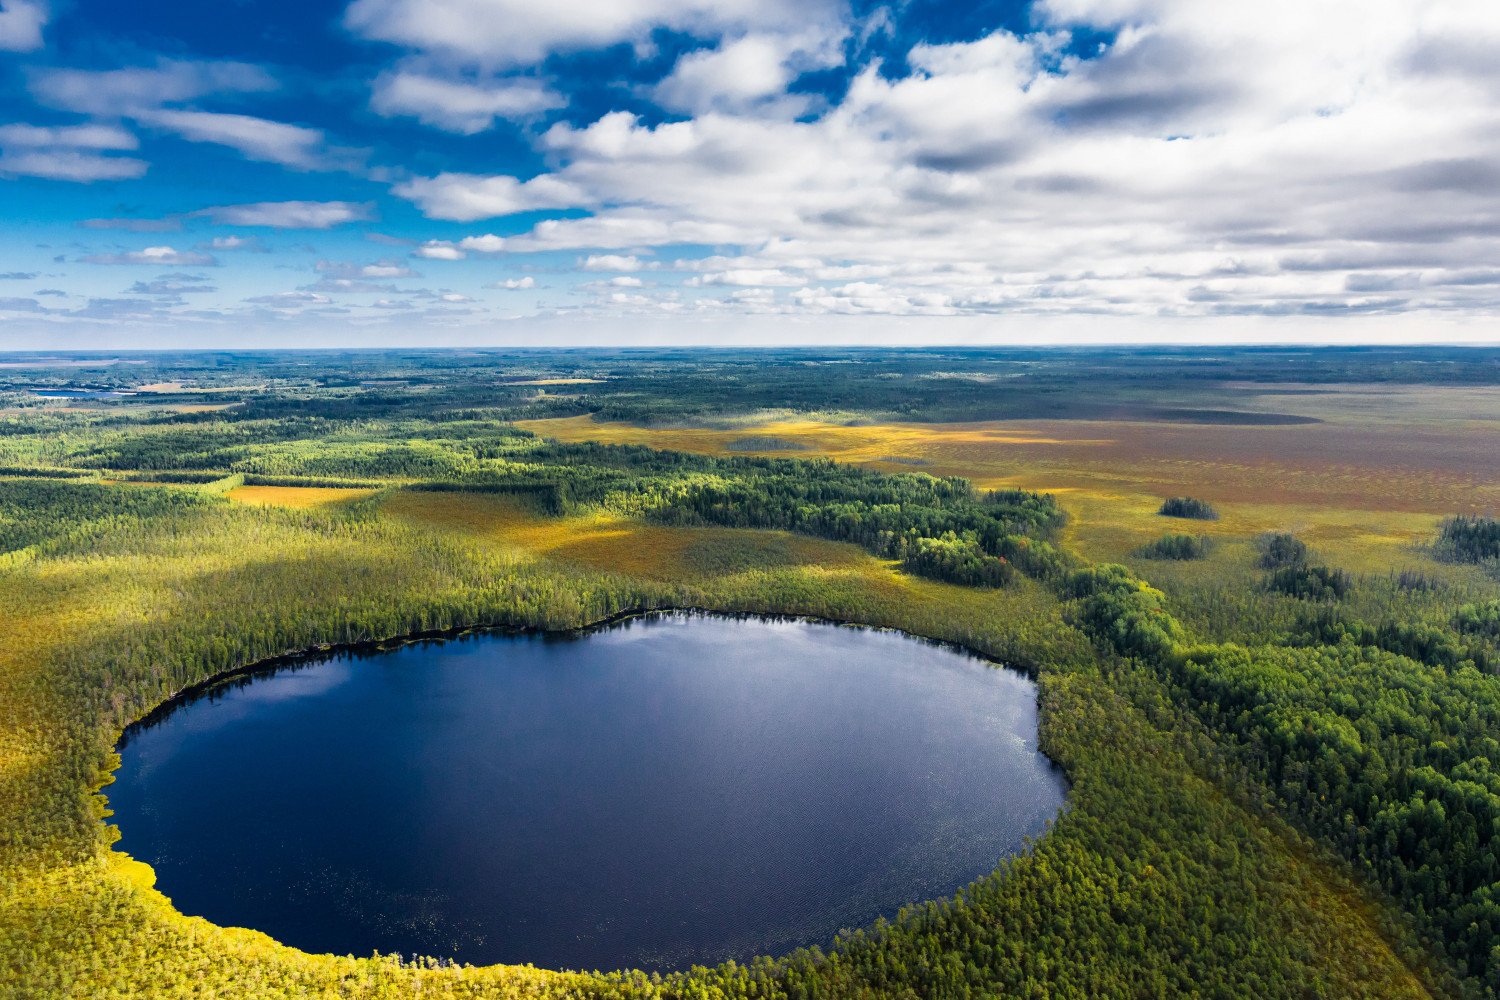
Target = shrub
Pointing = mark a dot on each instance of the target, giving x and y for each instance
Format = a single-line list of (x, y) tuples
[(1180, 547), (764, 443), (1188, 507), (1280, 549)]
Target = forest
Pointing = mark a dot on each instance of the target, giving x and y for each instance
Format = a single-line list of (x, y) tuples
[(1283, 751)]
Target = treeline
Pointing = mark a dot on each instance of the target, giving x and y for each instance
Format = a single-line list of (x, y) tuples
[(1178, 547), (1470, 539), (936, 527)]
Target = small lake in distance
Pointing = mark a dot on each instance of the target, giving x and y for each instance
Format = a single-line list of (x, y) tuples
[(668, 790)]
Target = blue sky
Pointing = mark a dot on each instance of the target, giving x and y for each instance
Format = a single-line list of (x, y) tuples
[(249, 172)]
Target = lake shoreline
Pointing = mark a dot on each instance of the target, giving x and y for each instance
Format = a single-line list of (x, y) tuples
[(320, 651), (979, 755)]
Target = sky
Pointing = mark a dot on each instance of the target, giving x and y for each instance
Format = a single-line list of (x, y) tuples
[(445, 172)]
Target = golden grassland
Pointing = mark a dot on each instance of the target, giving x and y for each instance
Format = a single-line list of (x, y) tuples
[(619, 544), (296, 497), (1366, 493)]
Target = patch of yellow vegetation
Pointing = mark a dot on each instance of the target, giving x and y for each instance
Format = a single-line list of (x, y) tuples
[(556, 381), (620, 544), (178, 387), (197, 407), (1368, 499), (298, 497)]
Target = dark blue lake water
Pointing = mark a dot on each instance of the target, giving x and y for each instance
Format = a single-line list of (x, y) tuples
[(50, 393), (675, 789)]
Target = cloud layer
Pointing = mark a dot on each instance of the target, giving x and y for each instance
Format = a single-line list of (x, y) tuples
[(658, 160)]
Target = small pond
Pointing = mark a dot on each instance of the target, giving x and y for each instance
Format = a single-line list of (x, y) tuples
[(673, 789)]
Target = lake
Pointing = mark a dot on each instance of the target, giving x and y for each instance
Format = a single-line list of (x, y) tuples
[(667, 790), (50, 393)]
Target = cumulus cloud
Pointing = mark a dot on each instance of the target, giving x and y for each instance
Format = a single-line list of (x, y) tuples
[(21, 24), (1193, 165), (290, 214), (438, 250), (467, 197), (488, 243), (513, 32), (749, 73), (748, 276), (462, 106), (1136, 158), (513, 284), (159, 256), (612, 262)]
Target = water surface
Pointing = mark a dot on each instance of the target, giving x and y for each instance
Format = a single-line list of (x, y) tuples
[(46, 392), (670, 790)]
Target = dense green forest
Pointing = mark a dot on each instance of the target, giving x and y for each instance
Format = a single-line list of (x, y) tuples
[(1285, 773)]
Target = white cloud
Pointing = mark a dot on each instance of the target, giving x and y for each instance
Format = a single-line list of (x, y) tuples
[(747, 73), (612, 262), (291, 300), (514, 32), (254, 138), (379, 269), (514, 284), (172, 286), (438, 250), (67, 137), (21, 24), (467, 197), (460, 106), (68, 152), (133, 90), (290, 214), (748, 276), (488, 243), (1280, 158), (1191, 168), (70, 165), (233, 243), (154, 96), (163, 256)]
